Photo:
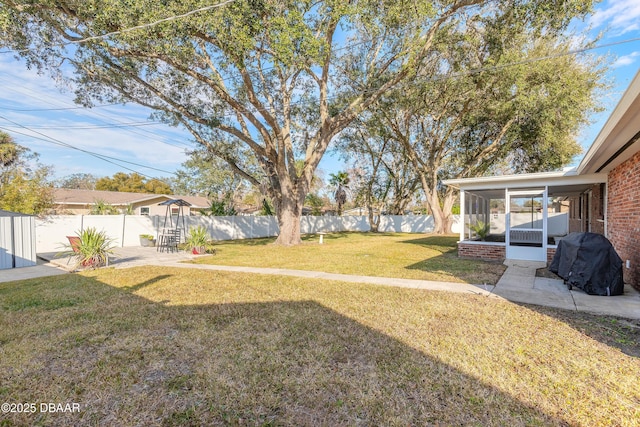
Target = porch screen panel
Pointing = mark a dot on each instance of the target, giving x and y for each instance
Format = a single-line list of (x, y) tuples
[(526, 227)]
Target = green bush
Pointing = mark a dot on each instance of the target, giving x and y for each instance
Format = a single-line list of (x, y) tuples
[(90, 248), (481, 229), (197, 237)]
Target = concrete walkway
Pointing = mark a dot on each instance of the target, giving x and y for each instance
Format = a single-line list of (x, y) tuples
[(518, 284)]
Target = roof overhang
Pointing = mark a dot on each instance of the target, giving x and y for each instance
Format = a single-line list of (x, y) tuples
[(559, 183), (619, 138)]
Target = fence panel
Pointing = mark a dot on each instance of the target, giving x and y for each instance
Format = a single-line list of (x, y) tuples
[(51, 232)]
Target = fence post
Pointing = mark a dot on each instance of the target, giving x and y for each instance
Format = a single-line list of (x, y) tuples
[(124, 227)]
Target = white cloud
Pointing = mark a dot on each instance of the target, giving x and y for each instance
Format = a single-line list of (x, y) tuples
[(620, 16), (626, 60)]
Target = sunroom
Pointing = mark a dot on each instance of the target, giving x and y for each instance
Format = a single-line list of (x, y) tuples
[(523, 217)]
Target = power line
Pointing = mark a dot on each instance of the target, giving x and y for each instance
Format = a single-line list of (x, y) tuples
[(33, 110), (86, 127), (151, 24), (103, 157), (90, 112)]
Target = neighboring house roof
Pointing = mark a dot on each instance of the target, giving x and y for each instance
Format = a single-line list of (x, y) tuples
[(66, 196), (619, 138)]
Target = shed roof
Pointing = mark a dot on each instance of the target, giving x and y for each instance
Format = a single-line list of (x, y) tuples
[(4, 213)]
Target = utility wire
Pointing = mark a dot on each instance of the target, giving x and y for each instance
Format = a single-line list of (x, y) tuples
[(33, 110), (106, 158), (107, 126), (138, 131), (151, 24)]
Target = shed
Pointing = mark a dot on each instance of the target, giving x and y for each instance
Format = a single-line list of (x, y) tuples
[(17, 240)]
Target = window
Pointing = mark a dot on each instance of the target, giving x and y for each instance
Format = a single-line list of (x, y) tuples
[(144, 211)]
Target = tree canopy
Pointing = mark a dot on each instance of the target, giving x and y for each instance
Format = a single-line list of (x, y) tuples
[(516, 114), (133, 183), (24, 184), (78, 181), (274, 80)]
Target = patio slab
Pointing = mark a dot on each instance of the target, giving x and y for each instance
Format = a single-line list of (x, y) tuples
[(520, 284)]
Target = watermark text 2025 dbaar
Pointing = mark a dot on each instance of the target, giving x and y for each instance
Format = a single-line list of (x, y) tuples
[(33, 407)]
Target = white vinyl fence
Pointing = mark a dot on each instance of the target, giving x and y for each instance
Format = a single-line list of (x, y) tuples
[(125, 230)]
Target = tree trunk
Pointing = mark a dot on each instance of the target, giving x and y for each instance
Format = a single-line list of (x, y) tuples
[(442, 216), (289, 212), (374, 220)]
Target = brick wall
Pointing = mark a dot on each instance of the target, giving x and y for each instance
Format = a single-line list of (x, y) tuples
[(623, 216), (550, 254), (481, 251)]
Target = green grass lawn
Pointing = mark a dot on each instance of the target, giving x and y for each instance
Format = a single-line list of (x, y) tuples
[(162, 346), (408, 256)]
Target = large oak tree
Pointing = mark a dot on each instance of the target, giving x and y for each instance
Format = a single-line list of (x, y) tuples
[(513, 106), (262, 76)]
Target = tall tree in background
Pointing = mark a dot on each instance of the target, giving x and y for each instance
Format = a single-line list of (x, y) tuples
[(24, 184), (78, 181), (9, 150), (133, 183), (526, 115), (340, 182), (259, 74), (204, 174), (384, 177)]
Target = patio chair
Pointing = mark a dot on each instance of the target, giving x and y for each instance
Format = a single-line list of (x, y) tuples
[(169, 240)]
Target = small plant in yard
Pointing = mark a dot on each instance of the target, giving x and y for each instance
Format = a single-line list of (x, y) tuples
[(90, 248), (197, 240), (147, 240), (481, 229)]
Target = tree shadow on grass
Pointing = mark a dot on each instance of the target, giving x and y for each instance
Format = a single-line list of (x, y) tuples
[(130, 360), (617, 332), (468, 270), (441, 243)]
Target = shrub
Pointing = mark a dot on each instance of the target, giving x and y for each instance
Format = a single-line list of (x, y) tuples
[(90, 248), (481, 229)]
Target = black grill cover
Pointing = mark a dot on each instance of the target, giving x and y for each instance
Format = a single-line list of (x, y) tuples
[(589, 262)]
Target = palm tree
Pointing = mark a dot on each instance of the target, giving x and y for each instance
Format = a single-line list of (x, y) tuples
[(340, 181)]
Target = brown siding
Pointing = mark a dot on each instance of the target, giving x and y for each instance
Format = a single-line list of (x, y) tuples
[(623, 216), (480, 251)]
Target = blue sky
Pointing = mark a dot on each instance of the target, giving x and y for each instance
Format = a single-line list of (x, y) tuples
[(28, 100)]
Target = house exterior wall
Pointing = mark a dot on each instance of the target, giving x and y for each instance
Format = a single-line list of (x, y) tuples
[(623, 216), (154, 209)]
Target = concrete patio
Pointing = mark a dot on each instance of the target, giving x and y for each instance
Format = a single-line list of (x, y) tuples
[(518, 284)]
